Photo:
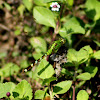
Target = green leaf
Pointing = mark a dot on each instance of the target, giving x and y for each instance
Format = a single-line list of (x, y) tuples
[(77, 57), (92, 70), (39, 2), (84, 76), (37, 55), (23, 89), (82, 95), (21, 9), (44, 16), (7, 6), (33, 74), (6, 87), (97, 54), (72, 29), (88, 49), (17, 32), (3, 54), (39, 44), (70, 2), (39, 94), (45, 1), (23, 63), (45, 70), (72, 26), (80, 84), (66, 72), (92, 9), (28, 29), (28, 4), (44, 29), (15, 53), (62, 87), (47, 81), (98, 43), (73, 20), (9, 69)]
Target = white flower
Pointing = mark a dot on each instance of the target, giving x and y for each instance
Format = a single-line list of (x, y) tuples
[(55, 6)]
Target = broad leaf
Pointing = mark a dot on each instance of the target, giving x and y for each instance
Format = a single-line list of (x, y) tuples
[(24, 63), (62, 87), (77, 57), (21, 9), (37, 55), (70, 2), (72, 26), (39, 2), (44, 16), (47, 81), (92, 9), (88, 49), (92, 70), (9, 69), (46, 1), (66, 72), (97, 54), (23, 89), (84, 76), (28, 4), (39, 44), (82, 95), (72, 29), (73, 20), (45, 70), (6, 87), (39, 94)]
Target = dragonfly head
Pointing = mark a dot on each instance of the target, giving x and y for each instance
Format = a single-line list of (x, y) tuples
[(63, 40)]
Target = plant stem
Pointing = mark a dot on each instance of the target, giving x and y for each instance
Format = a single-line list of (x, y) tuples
[(56, 30), (73, 98), (50, 91)]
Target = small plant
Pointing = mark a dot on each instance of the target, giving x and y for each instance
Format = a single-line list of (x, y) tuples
[(63, 66)]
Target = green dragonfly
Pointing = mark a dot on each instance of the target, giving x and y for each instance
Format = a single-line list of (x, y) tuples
[(53, 49)]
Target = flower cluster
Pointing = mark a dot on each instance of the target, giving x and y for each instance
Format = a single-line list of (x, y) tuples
[(55, 6)]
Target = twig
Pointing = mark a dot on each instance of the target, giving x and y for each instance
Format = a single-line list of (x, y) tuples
[(4, 27)]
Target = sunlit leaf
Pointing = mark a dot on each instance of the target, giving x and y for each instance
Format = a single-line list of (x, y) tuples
[(9, 69), (45, 70), (82, 95), (77, 57), (92, 70), (44, 16), (97, 54), (28, 4), (6, 87), (39, 44), (84, 76), (23, 89), (39, 94), (92, 9), (62, 87)]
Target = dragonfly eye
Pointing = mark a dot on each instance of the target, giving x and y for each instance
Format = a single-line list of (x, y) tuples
[(62, 40)]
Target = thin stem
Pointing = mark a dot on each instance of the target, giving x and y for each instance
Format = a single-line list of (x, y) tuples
[(73, 98), (56, 30), (50, 91)]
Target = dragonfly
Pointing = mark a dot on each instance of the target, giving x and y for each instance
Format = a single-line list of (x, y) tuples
[(54, 47)]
